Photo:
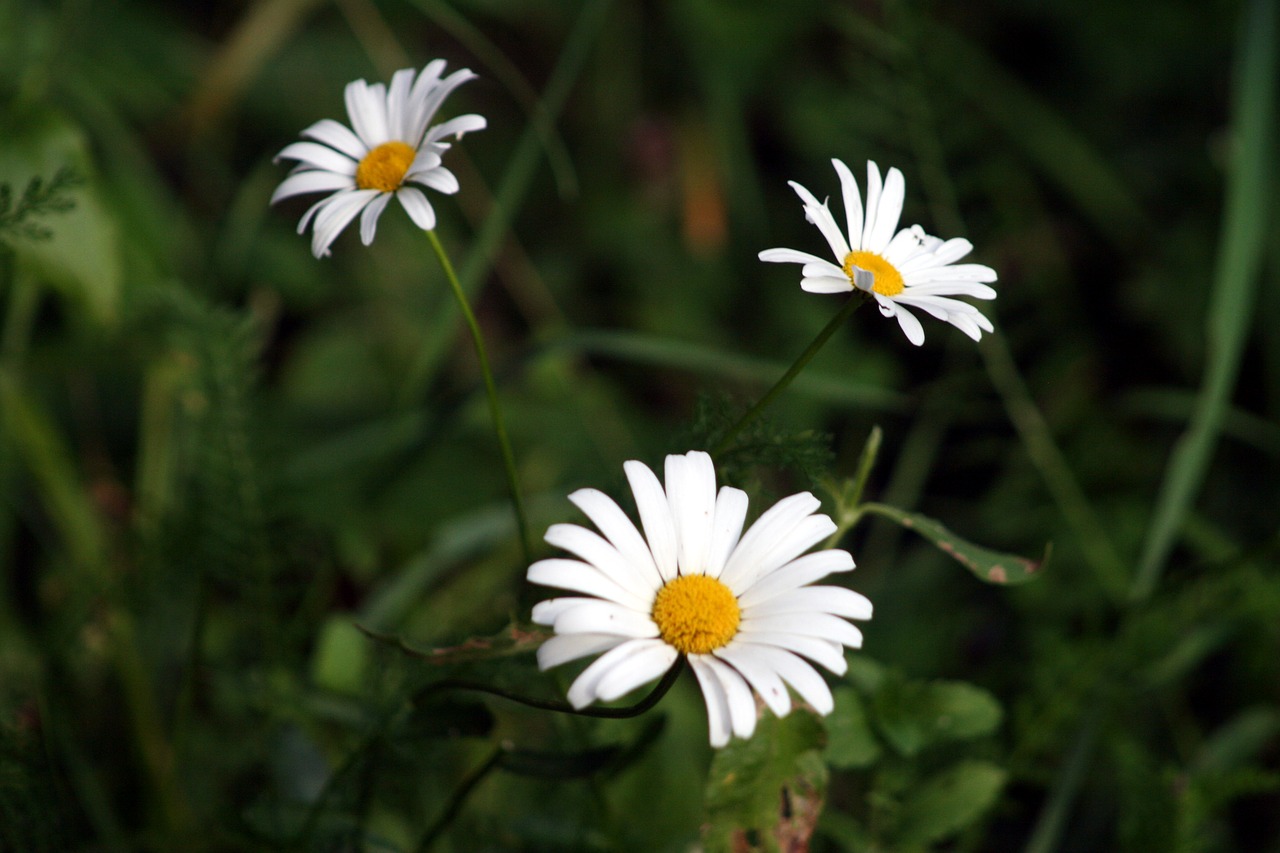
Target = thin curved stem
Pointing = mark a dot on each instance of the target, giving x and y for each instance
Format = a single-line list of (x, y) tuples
[(635, 710), (495, 409), (726, 441)]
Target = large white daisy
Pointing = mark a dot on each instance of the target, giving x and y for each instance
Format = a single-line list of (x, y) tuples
[(737, 605), (387, 148), (906, 268)]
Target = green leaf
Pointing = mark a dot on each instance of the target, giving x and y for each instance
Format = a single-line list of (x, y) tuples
[(766, 793), (851, 743), (513, 641), (948, 802), (915, 714), (341, 658), (78, 251), (986, 565)]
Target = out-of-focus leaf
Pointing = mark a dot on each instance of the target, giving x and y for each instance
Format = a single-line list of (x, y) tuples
[(1239, 740), (948, 802), (915, 714), (341, 657), (81, 255), (513, 641), (766, 793), (987, 565), (850, 741)]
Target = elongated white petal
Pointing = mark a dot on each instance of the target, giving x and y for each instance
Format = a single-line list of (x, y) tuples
[(887, 216), (457, 127), (584, 578), (334, 216), (604, 617), (655, 516), (717, 703), (761, 678), (439, 179), (742, 707), (835, 600), (823, 269), (316, 156), (583, 690), (826, 284), (820, 625), (597, 551), (650, 660), (311, 182), (800, 675), (546, 612), (775, 524), (820, 215), (910, 326), (563, 648), (367, 111), (807, 533), (874, 187), (952, 288), (852, 204), (415, 203), (691, 494), (790, 256), (826, 652), (337, 135), (399, 111), (611, 521), (369, 217), (730, 513), (797, 573)]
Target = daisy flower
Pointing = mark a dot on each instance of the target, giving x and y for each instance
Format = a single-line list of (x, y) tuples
[(737, 605), (906, 268), (388, 148)]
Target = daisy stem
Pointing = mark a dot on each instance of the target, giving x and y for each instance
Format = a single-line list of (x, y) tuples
[(635, 710), (726, 441), (495, 409)]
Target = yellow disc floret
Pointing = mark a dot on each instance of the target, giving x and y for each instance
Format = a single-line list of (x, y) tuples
[(696, 614), (384, 167), (888, 281)]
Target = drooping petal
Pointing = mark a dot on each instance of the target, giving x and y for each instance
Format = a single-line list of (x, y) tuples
[(583, 690), (826, 652), (439, 179), (336, 215), (716, 700), (804, 678), (742, 707), (415, 203), (369, 217), (651, 659), (761, 678), (910, 326), (563, 648), (457, 127)]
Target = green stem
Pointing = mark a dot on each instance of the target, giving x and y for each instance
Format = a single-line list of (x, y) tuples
[(635, 710), (495, 409), (475, 777), (726, 441)]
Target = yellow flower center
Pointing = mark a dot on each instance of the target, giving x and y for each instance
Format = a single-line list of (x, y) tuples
[(887, 282), (696, 614), (383, 168)]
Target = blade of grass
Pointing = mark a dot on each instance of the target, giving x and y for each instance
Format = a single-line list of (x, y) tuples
[(1232, 301)]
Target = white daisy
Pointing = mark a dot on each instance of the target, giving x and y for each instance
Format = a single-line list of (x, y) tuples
[(906, 268), (390, 148), (737, 605)]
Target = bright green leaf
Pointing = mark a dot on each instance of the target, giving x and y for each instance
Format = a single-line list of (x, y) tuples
[(766, 793), (986, 565), (948, 802)]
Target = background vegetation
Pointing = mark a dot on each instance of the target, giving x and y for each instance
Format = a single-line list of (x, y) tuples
[(219, 455)]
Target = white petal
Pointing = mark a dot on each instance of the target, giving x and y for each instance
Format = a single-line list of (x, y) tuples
[(952, 250), (610, 520), (339, 136), (823, 269), (583, 690), (826, 284), (439, 179), (584, 578), (742, 705), (820, 215), (399, 110), (761, 678), (691, 493), (730, 513), (316, 156), (825, 652), (334, 216), (717, 702), (655, 516), (890, 210), (955, 272), (953, 288), (809, 532), (649, 662), (797, 573), (852, 203), (594, 616), (804, 678), (965, 324), (457, 127), (563, 648), (366, 107), (425, 160), (910, 326), (546, 612), (874, 186), (416, 205), (369, 218), (426, 109), (791, 256), (776, 523), (820, 625), (311, 182), (835, 600), (597, 551)]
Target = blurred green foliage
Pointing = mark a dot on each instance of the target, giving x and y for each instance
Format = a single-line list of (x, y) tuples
[(219, 455)]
